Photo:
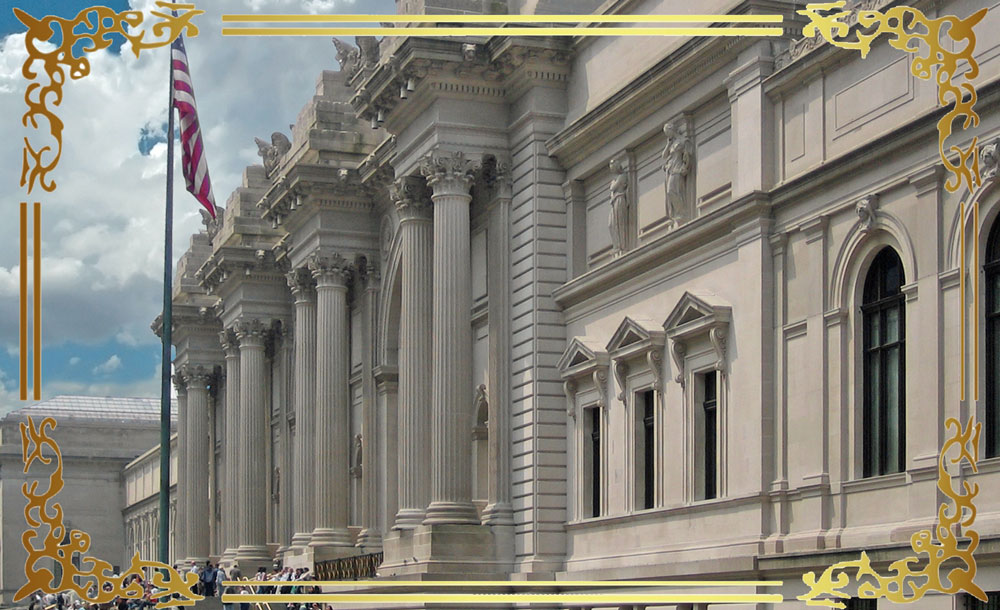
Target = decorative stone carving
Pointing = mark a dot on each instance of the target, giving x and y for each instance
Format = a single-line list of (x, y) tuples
[(618, 222), (655, 362), (411, 196), (676, 165), (677, 350), (601, 381), (569, 387), (866, 208), (718, 338), (196, 376), (496, 174), (369, 48), (301, 282), (621, 373), (479, 400), (332, 268), (989, 158), (448, 173), (251, 331), (349, 58), (212, 225), (469, 51), (358, 451), (273, 152)]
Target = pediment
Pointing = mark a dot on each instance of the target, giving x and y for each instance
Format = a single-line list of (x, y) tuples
[(697, 310), (582, 355), (635, 334)]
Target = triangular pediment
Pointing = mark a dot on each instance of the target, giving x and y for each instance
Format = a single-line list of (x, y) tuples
[(695, 306), (635, 332), (582, 353)]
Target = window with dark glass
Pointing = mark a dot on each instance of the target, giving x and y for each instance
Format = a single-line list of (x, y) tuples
[(883, 313), (992, 403), (595, 462), (856, 603), (648, 446), (710, 406)]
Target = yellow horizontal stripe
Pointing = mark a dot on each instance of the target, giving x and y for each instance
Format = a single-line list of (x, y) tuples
[(502, 18), (500, 598), (439, 32), (507, 583)]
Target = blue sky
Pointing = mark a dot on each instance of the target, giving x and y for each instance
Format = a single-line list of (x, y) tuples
[(102, 227)]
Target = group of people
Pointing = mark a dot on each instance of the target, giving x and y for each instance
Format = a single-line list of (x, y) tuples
[(68, 600), (287, 581)]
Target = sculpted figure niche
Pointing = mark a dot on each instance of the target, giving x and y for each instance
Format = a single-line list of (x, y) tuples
[(273, 152), (620, 209), (676, 165)]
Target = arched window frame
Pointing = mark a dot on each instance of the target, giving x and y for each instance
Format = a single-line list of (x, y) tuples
[(991, 328), (882, 304)]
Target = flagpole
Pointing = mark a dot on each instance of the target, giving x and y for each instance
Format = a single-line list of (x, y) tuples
[(165, 334)]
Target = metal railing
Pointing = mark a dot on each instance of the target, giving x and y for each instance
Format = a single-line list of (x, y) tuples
[(358, 567)]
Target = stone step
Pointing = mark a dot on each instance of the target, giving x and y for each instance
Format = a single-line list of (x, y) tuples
[(209, 603)]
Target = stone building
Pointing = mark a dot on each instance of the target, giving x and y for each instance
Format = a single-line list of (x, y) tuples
[(97, 437), (593, 308), (141, 506)]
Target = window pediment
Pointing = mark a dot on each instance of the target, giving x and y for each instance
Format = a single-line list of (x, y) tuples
[(584, 360), (697, 315), (637, 338)]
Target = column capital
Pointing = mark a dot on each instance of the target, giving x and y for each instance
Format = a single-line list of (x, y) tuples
[(197, 376), (230, 343), (251, 332), (448, 173), (498, 178), (331, 270), (411, 196), (180, 384), (303, 285)]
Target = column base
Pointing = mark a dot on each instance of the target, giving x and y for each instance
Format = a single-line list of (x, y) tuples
[(328, 543), (408, 518), (370, 540), (249, 558), (451, 513), (300, 541), (441, 549), (501, 513)]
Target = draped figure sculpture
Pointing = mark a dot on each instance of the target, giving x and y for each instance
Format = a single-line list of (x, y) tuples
[(619, 220), (676, 165)]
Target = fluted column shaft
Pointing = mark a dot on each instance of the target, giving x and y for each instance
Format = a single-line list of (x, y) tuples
[(332, 448), (231, 459), (180, 538), (303, 520), (450, 178), (499, 510), (198, 379), (417, 259), (252, 490)]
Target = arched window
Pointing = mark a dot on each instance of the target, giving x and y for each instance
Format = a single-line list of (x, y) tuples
[(992, 414), (883, 311)]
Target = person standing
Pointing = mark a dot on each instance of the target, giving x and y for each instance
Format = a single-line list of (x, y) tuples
[(207, 579)]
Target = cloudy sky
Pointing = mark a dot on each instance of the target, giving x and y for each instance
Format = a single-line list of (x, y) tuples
[(102, 229)]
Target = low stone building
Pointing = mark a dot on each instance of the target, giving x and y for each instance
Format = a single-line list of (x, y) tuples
[(97, 437)]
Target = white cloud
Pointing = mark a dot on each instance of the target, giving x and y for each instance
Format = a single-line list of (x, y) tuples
[(109, 366), (102, 228), (75, 360)]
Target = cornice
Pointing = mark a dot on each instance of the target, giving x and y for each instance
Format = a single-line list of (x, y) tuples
[(246, 262), (308, 185)]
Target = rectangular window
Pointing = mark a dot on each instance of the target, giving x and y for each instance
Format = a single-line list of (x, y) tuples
[(710, 407), (856, 603), (648, 449), (595, 462)]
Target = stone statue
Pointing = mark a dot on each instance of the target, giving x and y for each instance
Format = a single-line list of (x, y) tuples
[(273, 152), (618, 223), (369, 50), (989, 159), (348, 56), (676, 165)]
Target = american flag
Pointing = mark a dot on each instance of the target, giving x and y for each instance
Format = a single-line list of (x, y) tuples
[(193, 157)]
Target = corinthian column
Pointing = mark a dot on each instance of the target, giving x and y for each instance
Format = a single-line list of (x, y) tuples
[(417, 258), (303, 521), (198, 378), (450, 177), (499, 511), (231, 459), (332, 449), (180, 539), (252, 496)]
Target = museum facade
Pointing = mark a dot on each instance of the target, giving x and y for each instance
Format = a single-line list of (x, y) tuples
[(596, 308)]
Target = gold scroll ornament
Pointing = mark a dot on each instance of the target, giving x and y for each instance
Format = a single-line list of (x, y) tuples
[(915, 33), (39, 159), (46, 533), (955, 540)]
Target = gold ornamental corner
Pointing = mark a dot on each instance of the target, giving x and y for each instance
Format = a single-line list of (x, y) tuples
[(47, 539), (40, 158), (916, 33), (954, 540)]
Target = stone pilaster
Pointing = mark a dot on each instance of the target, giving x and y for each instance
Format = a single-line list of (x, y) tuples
[(252, 496), (230, 449), (180, 539), (304, 509), (417, 258), (499, 510), (197, 378), (370, 468), (450, 177), (332, 451)]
